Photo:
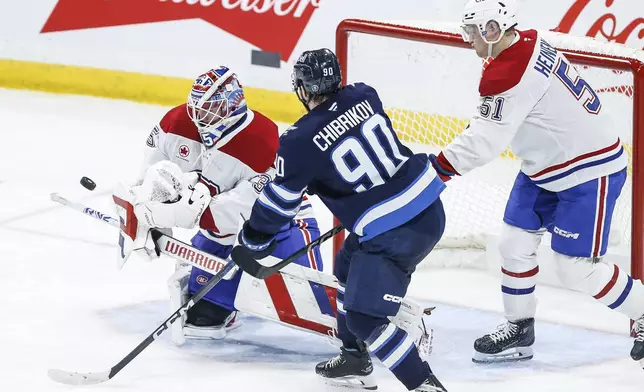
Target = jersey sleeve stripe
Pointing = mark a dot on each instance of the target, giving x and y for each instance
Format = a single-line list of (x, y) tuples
[(592, 154), (268, 203), (401, 207), (285, 194), (285, 204), (212, 187), (582, 166)]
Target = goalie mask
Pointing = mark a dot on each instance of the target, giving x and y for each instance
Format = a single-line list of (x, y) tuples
[(481, 16), (216, 103)]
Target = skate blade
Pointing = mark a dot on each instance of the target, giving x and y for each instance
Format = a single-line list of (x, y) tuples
[(207, 333), (510, 355), (642, 363), (352, 382)]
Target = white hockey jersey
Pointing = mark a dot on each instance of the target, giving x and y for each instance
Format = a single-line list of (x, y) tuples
[(234, 169), (533, 100)]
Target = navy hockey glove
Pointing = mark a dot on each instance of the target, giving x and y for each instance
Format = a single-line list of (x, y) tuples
[(256, 244), (442, 166)]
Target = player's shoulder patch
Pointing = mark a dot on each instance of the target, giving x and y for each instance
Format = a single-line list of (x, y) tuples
[(256, 145), (177, 122), (507, 69)]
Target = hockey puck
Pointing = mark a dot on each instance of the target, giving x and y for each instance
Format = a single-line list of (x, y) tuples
[(87, 183)]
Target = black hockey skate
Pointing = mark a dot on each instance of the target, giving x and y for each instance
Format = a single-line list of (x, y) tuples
[(206, 320), (431, 385), (510, 342), (349, 369), (637, 353)]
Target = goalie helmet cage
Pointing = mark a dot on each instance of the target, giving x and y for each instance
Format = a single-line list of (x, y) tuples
[(427, 78)]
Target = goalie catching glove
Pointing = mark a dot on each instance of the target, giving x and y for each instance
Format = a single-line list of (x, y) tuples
[(166, 198), (185, 212), (169, 198)]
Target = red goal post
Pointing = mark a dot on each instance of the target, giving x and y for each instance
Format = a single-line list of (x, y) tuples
[(581, 51)]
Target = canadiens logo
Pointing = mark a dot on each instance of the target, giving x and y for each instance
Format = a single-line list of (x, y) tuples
[(184, 151), (277, 25), (202, 280)]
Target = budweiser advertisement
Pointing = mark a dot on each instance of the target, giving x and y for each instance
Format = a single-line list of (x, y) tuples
[(271, 25), (184, 37)]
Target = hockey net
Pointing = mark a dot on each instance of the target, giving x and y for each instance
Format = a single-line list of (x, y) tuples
[(428, 78)]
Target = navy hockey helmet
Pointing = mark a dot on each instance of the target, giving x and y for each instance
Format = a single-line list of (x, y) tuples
[(318, 73)]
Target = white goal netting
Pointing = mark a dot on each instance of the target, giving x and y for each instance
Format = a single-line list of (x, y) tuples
[(431, 90)]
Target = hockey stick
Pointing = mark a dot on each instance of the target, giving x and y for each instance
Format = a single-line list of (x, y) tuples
[(162, 242), (259, 271), (75, 378), (84, 210), (187, 253)]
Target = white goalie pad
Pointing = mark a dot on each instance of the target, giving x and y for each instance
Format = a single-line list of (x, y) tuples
[(304, 298), (297, 297), (178, 289)]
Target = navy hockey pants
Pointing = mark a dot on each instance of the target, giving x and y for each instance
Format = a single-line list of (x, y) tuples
[(375, 274)]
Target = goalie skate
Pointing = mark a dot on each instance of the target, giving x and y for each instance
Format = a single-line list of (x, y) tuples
[(511, 342), (216, 332)]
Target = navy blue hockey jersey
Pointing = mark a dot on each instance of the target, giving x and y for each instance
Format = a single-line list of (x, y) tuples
[(346, 152)]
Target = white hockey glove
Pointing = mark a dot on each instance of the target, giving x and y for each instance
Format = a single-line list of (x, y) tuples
[(184, 213), (164, 182), (169, 198)]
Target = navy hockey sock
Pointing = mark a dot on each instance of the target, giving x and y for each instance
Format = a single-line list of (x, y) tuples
[(393, 346), (349, 340)]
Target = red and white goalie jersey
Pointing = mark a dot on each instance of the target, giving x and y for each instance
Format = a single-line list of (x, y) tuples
[(534, 100), (245, 151)]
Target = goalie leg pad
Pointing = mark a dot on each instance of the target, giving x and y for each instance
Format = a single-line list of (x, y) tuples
[(178, 289)]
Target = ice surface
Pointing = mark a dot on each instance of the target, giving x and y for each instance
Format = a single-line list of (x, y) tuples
[(66, 306)]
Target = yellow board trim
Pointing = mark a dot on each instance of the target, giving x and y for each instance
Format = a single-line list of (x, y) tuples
[(138, 87)]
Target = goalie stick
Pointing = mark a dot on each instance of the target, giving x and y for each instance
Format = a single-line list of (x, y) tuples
[(84, 210), (164, 244), (77, 378), (188, 254)]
